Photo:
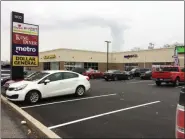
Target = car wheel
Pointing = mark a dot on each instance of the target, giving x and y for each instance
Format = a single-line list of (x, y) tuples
[(80, 91), (176, 82), (115, 78), (106, 80), (33, 97), (129, 78), (158, 83)]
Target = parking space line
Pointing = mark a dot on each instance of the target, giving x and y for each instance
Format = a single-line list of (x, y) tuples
[(151, 84), (100, 115), (137, 82), (67, 101), (179, 87)]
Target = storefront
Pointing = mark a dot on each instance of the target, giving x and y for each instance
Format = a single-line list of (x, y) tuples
[(93, 66), (68, 59)]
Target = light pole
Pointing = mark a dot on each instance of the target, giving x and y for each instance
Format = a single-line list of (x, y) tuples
[(108, 54)]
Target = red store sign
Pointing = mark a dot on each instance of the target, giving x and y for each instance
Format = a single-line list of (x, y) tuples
[(25, 39)]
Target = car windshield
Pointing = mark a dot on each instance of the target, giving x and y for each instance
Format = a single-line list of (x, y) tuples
[(88, 71), (174, 69), (36, 76), (133, 70), (148, 71)]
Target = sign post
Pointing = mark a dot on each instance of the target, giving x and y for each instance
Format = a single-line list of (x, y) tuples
[(24, 45)]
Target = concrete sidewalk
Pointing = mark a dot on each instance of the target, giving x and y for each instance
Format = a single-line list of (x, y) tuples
[(10, 125)]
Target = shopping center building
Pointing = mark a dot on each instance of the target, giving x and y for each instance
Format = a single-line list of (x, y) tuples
[(67, 59)]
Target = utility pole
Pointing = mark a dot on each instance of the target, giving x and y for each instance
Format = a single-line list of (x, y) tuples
[(108, 54)]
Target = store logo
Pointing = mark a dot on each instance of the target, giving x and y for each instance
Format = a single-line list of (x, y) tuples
[(131, 56), (26, 49), (50, 57), (25, 39), (24, 28)]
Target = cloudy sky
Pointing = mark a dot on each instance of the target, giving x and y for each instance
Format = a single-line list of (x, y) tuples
[(86, 25)]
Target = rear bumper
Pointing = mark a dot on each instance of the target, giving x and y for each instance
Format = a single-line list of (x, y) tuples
[(162, 79)]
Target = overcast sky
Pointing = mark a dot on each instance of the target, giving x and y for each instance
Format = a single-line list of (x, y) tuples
[(86, 25)]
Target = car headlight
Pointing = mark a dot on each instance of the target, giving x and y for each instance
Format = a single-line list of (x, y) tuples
[(20, 87)]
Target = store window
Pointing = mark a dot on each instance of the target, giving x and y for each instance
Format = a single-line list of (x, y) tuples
[(55, 66), (91, 66), (72, 65), (130, 66), (46, 65)]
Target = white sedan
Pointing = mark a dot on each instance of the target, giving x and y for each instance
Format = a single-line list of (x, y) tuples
[(47, 84)]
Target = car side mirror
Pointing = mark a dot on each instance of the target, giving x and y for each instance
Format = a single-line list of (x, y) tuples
[(46, 81)]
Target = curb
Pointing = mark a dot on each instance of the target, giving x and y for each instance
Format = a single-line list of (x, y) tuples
[(42, 130)]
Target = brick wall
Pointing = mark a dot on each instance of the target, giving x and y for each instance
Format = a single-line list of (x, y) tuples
[(62, 65)]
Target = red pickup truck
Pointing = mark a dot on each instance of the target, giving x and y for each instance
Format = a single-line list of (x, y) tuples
[(169, 74)]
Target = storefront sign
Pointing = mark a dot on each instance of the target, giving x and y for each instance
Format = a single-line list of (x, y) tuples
[(25, 39), (131, 56), (25, 28), (50, 57), (25, 61), (25, 50), (180, 49)]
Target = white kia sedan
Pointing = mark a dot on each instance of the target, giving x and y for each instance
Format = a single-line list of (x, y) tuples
[(47, 84)]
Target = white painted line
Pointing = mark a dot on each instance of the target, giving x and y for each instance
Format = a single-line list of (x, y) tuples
[(100, 115), (179, 87), (151, 84), (67, 101), (137, 82)]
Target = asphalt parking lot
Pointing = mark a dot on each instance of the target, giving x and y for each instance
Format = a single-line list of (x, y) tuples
[(135, 108)]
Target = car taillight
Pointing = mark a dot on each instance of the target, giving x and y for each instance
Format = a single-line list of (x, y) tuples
[(180, 126), (180, 116)]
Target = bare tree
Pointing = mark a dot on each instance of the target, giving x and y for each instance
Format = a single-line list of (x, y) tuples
[(151, 45), (166, 46)]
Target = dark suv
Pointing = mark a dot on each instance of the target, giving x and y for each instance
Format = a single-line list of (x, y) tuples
[(136, 72)]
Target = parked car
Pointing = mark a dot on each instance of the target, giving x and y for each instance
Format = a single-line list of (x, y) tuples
[(136, 72), (5, 76), (180, 116), (79, 70), (116, 75), (171, 74), (7, 79), (47, 84), (93, 74), (147, 75)]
